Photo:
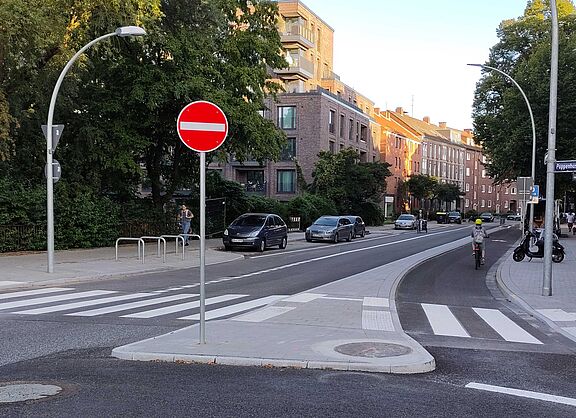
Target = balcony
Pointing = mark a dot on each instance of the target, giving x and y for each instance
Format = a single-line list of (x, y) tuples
[(255, 188), (298, 67), (297, 34), (330, 75)]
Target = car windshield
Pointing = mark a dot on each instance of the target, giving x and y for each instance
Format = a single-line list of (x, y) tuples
[(406, 218), (250, 220), (454, 214), (326, 222), (486, 214)]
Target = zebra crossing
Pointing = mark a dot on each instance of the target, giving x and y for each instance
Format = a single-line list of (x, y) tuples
[(146, 305), (467, 322)]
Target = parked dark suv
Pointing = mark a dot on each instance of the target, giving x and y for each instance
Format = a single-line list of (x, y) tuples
[(454, 217), (359, 225), (256, 230)]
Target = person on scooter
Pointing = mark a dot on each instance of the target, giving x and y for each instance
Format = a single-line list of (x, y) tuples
[(478, 234)]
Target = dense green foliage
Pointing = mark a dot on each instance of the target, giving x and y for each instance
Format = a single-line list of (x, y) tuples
[(310, 207), (501, 119)]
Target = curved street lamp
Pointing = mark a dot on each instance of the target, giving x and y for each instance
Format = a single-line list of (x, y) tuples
[(531, 225), (122, 32)]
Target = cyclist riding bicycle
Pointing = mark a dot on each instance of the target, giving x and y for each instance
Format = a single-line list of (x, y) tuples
[(478, 234)]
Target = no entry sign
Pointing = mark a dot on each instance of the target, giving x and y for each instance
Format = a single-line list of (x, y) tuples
[(202, 126)]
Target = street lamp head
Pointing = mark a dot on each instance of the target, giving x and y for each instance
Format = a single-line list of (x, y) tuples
[(475, 65), (130, 31)]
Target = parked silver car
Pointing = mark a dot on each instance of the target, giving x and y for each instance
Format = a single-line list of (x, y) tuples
[(405, 221), (330, 228)]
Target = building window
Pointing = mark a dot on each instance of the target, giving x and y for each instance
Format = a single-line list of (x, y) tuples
[(357, 131), (483, 188), (498, 196), (483, 204), (483, 174), (342, 125), (286, 181), (513, 190), (287, 117), (332, 122), (289, 151), (467, 156), (350, 129), (467, 171), (489, 189), (467, 204), (489, 203), (467, 187), (506, 204), (363, 133)]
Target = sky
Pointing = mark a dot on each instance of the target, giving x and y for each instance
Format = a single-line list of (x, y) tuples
[(413, 53)]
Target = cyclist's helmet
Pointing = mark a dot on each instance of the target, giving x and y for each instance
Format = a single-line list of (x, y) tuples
[(478, 221)]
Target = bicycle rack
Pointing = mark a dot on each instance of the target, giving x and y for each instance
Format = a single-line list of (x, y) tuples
[(141, 246), (178, 238), (188, 236), (158, 239)]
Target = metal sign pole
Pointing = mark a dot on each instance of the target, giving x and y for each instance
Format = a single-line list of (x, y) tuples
[(202, 247)]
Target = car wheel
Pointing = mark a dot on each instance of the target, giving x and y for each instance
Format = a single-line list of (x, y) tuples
[(308, 239), (336, 238), (262, 245), (283, 243)]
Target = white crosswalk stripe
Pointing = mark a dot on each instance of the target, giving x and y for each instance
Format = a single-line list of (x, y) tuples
[(237, 308), (51, 299), (83, 304), (444, 322), (25, 293), (182, 307), (133, 305)]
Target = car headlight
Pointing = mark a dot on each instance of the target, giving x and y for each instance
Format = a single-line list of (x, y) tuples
[(226, 232), (253, 234), (329, 232)]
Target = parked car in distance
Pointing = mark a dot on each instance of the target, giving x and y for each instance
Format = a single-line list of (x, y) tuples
[(256, 230), (513, 217), (441, 217), (330, 228), (405, 221), (359, 225), (487, 217), (454, 217)]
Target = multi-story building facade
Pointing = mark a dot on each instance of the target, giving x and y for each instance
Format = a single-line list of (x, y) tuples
[(318, 112)]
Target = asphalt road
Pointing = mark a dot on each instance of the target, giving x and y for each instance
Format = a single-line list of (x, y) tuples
[(73, 352)]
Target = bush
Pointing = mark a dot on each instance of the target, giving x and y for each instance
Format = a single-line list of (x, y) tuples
[(267, 205), (310, 207), (371, 213)]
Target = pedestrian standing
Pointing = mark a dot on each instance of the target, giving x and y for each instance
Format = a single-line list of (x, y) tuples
[(570, 221), (185, 216)]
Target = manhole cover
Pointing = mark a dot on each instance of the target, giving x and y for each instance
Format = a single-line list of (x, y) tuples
[(372, 349), (26, 392)]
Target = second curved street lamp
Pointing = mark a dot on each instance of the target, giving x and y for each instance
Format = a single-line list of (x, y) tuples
[(533, 174)]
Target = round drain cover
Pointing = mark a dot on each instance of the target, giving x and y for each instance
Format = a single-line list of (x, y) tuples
[(372, 349), (26, 392)]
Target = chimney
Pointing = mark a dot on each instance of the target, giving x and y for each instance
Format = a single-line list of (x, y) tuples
[(400, 110), (442, 125), (426, 119)]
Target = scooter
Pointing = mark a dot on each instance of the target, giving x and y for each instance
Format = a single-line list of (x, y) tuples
[(523, 250)]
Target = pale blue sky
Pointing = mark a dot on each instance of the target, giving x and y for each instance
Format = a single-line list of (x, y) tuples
[(424, 46)]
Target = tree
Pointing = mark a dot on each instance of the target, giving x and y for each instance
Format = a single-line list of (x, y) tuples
[(501, 119), (347, 182), (447, 193), (421, 187)]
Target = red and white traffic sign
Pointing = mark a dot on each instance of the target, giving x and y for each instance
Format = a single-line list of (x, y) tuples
[(202, 126)]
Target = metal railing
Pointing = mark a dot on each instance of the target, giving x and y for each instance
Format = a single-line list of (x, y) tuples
[(158, 240), (141, 246), (178, 238), (188, 236)]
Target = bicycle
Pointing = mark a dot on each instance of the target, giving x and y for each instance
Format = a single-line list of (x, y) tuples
[(477, 255)]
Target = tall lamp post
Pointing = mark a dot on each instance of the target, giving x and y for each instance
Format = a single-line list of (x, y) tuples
[(122, 32), (531, 219)]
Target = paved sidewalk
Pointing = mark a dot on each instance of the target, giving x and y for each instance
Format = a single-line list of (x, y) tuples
[(523, 282)]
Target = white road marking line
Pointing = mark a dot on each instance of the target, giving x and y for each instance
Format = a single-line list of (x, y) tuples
[(202, 126), (504, 326), (133, 305), (232, 309), (264, 314), (74, 305), (377, 321), (376, 302), (182, 307), (34, 292), (303, 297), (443, 321), (50, 299), (570, 330), (342, 298), (523, 393), (558, 315)]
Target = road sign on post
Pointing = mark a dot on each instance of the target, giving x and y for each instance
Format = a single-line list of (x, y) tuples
[(56, 171), (202, 127), (56, 134), (534, 194), (568, 166)]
